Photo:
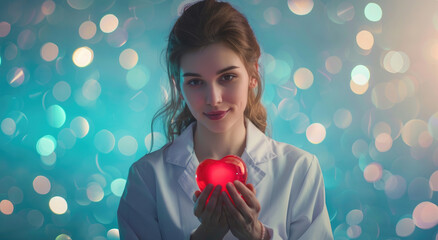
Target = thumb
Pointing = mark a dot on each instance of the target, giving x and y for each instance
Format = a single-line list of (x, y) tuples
[(196, 195)]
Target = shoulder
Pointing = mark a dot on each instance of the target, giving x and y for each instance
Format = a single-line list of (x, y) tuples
[(293, 156), (150, 160)]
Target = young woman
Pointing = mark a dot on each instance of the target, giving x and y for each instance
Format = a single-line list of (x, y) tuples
[(214, 110)]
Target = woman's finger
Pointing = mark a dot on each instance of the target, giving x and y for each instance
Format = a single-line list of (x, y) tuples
[(241, 206), (233, 215), (200, 202), (196, 195), (211, 205), (247, 194)]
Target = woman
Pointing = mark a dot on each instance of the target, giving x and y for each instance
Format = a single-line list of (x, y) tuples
[(215, 110)]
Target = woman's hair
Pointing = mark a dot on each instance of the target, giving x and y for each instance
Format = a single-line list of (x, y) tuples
[(201, 24)]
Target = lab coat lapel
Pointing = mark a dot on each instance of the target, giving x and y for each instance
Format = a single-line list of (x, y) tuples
[(181, 153)]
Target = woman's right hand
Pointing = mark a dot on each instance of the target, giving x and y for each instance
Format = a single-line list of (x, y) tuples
[(211, 216)]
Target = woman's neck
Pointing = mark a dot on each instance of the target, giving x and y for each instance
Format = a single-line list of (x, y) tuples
[(212, 145)]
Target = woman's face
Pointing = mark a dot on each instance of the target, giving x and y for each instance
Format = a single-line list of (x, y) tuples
[(215, 79)]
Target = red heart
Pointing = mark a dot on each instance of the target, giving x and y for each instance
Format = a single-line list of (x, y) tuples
[(220, 172)]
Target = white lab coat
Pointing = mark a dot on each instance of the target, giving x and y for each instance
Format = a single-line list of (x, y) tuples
[(157, 201)]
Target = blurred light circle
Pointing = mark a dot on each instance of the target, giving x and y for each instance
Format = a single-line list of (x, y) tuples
[(333, 64), (425, 139), (91, 89), (46, 145), (360, 75), (411, 131), (396, 62), (63, 237), (300, 7), (359, 148), (365, 40), (381, 127), (342, 118), (405, 227), (425, 215), (117, 186), (433, 125), (137, 77), (159, 141), (80, 126), (127, 145), (5, 28), (26, 39), (383, 142), (79, 4), (95, 192), (49, 51), (35, 218), (83, 56), (373, 172), (55, 116), (373, 12), (354, 231), (358, 89), (49, 160), (272, 15), (66, 138), (315, 133), (433, 181), (10, 51), (395, 187), (128, 58), (87, 30), (303, 78), (16, 77), (108, 23), (48, 7), (379, 97), (288, 108), (58, 205), (61, 91), (6, 207), (113, 234), (104, 141), (354, 217), (8, 126), (282, 72), (41, 185), (396, 91)]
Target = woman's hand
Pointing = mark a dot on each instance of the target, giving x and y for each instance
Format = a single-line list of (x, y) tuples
[(211, 215), (243, 216)]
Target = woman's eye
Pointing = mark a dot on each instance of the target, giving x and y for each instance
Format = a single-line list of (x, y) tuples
[(228, 77), (191, 81)]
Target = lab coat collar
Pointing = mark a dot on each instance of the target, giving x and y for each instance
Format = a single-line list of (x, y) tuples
[(181, 153)]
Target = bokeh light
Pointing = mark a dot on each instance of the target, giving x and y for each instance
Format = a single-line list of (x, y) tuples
[(6, 207), (83, 56), (303, 78), (5, 28), (55, 116), (315, 133), (49, 51), (48, 7), (87, 30), (405, 227), (425, 215), (373, 12), (127, 145), (109, 23), (58, 205), (360, 75), (104, 141), (300, 7), (46, 145), (8, 126), (80, 126), (137, 77), (128, 58), (61, 91), (373, 172), (365, 40), (117, 186), (333, 64), (91, 89), (41, 185)]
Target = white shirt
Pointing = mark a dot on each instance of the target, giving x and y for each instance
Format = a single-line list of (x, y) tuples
[(157, 201)]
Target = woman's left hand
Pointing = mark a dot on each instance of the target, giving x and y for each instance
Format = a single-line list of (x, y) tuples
[(243, 217)]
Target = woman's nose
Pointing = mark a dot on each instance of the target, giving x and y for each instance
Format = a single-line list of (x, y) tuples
[(213, 95)]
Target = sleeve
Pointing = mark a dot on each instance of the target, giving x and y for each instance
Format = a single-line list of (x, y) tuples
[(310, 219), (137, 214)]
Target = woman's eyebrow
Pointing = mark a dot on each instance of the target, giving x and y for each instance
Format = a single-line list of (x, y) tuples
[(189, 74)]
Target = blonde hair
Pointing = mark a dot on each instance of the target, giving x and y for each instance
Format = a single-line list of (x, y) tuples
[(201, 24)]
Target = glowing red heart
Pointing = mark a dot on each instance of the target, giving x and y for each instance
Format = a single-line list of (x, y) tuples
[(220, 172)]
